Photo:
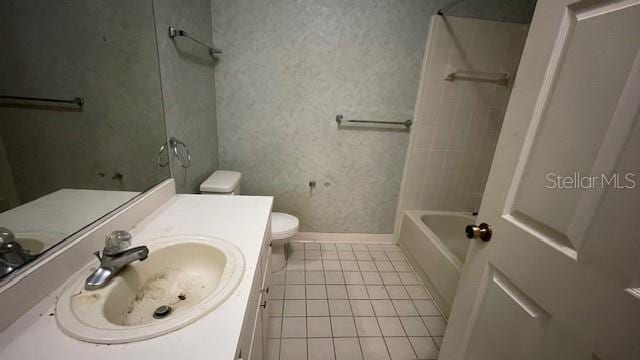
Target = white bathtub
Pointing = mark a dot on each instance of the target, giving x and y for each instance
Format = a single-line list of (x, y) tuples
[(436, 246)]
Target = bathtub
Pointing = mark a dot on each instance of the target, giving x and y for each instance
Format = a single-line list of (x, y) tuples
[(436, 246)]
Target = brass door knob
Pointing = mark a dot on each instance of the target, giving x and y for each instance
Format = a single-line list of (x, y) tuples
[(482, 231)]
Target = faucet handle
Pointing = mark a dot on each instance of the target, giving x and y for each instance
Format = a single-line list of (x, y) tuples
[(7, 238), (117, 242)]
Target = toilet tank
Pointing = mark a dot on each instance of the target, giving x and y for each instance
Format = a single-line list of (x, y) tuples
[(222, 182)]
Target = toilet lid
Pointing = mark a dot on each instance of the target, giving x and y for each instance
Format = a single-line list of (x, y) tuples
[(283, 225)]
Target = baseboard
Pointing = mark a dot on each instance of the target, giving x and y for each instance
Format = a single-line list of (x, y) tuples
[(344, 237)]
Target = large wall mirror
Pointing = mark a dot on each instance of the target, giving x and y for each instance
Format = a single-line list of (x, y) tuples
[(81, 118)]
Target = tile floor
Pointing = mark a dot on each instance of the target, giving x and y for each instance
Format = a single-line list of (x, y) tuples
[(351, 301)]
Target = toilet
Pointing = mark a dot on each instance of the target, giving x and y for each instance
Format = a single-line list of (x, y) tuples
[(284, 227)]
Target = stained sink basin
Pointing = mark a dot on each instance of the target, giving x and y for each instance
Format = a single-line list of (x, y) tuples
[(183, 279)]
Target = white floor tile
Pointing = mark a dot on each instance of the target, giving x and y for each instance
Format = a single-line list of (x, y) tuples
[(317, 308), (383, 308), (315, 277), (375, 247), (377, 292), (367, 326), (346, 255), (409, 278), (390, 278), (311, 246), (384, 265), (395, 255), (401, 266), (272, 352), (276, 307), (372, 278), (313, 265), (312, 255), (276, 291), (294, 292), (367, 265), (404, 308), (347, 349), (320, 349), (359, 247), (426, 307), (424, 347), (362, 255), (296, 245), (353, 278), (343, 326), (316, 292), (294, 277), (391, 326), (329, 255), (331, 265), (295, 308), (293, 349), (417, 292), (274, 331), (349, 265), (397, 292), (296, 254), (374, 348), (295, 265), (318, 327), (414, 326), (278, 277), (327, 246), (334, 277), (339, 308), (337, 292), (344, 246), (357, 292), (438, 341), (435, 324), (379, 255), (294, 327), (399, 348), (362, 308)]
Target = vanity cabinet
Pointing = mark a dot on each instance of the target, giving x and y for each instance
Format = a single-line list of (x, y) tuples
[(253, 338)]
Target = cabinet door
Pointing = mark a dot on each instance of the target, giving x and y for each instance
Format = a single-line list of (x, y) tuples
[(257, 339), (266, 297)]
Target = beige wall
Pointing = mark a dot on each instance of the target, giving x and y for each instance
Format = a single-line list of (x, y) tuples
[(457, 123), (188, 87)]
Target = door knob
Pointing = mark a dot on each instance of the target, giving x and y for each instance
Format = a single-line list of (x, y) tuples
[(482, 231)]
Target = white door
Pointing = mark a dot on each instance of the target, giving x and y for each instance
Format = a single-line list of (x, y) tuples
[(560, 278)]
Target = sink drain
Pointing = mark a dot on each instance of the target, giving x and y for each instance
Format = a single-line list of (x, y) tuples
[(162, 312)]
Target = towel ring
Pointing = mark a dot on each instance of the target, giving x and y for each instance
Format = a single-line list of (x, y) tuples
[(173, 145)]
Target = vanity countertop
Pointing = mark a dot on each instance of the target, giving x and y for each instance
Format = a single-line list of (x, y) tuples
[(242, 220)]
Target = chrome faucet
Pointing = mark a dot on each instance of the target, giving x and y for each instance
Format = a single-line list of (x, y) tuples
[(115, 256), (12, 255)]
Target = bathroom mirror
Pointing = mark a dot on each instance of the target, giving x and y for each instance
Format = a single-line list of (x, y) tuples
[(81, 118)]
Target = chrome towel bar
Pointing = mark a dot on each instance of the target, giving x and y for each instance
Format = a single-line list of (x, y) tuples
[(340, 119), (452, 73), (173, 32), (76, 100)]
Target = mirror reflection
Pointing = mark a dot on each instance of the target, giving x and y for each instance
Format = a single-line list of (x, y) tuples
[(81, 118)]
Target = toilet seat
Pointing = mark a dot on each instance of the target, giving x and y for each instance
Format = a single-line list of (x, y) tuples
[(283, 226)]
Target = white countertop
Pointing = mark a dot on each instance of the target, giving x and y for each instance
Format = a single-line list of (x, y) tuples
[(63, 212), (241, 220)]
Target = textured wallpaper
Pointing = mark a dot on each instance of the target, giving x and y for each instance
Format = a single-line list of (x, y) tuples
[(288, 68), (188, 88), (458, 123)]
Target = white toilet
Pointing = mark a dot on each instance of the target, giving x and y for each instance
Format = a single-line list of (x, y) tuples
[(284, 227)]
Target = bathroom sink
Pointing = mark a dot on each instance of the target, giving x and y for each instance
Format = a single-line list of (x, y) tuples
[(183, 279)]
